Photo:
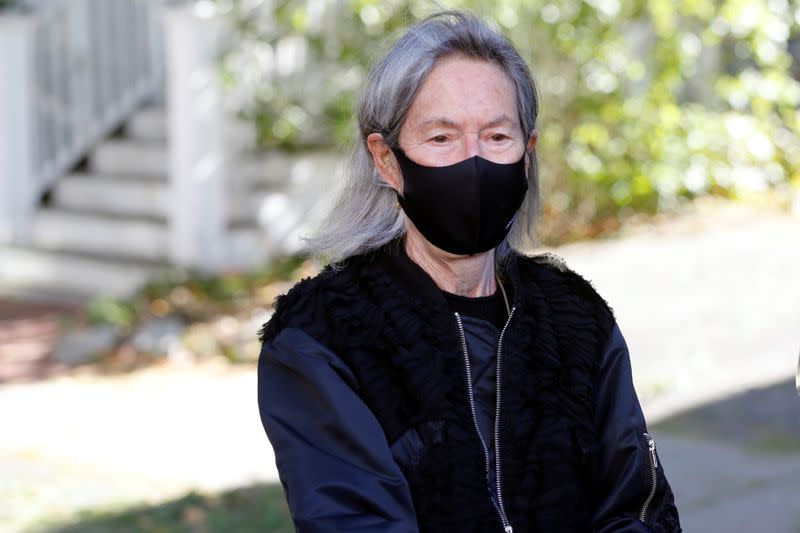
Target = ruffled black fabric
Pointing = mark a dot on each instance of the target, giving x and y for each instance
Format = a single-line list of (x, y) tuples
[(402, 345), (559, 336), (405, 353)]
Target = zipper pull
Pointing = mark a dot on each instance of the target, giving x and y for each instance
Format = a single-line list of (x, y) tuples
[(509, 529), (651, 445)]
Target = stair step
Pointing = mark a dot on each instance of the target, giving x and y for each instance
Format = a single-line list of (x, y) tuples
[(69, 276), (239, 135), (255, 178), (149, 124), (280, 217), (276, 167), (137, 238), (112, 194), (247, 247), (130, 158)]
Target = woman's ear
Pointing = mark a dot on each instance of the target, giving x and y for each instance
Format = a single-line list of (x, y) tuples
[(529, 147), (532, 141), (384, 161)]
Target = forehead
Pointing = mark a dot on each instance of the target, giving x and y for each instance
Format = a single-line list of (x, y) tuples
[(465, 91)]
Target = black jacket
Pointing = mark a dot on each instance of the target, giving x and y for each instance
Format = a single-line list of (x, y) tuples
[(362, 393)]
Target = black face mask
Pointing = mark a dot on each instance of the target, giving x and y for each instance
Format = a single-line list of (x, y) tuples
[(466, 208)]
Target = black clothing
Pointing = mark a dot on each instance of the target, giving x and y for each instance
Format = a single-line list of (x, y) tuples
[(362, 391), (490, 308), (481, 338)]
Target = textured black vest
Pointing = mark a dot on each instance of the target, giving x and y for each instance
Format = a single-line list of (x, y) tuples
[(395, 332)]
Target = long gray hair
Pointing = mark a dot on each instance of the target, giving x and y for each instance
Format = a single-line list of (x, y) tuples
[(365, 216)]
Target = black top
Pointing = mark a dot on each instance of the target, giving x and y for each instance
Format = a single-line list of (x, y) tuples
[(490, 308), (483, 317)]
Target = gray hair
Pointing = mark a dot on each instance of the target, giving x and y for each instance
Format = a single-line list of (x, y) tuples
[(365, 216)]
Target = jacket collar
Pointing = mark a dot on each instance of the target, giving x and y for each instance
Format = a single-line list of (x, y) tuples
[(402, 269)]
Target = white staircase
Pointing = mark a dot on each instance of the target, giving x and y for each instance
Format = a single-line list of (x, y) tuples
[(117, 207), (104, 228), (113, 195)]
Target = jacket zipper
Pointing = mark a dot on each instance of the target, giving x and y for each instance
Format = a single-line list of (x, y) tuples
[(653, 458), (499, 506)]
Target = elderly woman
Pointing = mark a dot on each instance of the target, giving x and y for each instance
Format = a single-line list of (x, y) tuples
[(433, 378)]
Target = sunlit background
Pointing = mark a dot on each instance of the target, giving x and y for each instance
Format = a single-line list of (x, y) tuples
[(160, 161)]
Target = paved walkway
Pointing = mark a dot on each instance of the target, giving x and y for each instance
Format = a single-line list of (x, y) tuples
[(707, 315), (722, 488), (704, 313), (712, 317)]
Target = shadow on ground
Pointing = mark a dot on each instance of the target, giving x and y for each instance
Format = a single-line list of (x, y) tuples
[(734, 464), (763, 420), (260, 507)]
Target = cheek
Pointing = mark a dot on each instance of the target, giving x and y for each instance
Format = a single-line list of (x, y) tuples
[(450, 157), (433, 156)]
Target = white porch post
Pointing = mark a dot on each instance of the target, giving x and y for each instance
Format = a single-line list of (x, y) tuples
[(197, 215), (17, 177)]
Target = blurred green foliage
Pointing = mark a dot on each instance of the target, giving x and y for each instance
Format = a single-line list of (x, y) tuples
[(644, 102), (206, 290), (194, 295), (104, 310)]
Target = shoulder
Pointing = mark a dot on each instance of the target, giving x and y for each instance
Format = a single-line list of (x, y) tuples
[(312, 303), (553, 276)]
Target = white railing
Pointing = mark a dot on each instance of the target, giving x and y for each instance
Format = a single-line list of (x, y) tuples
[(70, 72), (198, 176), (213, 167)]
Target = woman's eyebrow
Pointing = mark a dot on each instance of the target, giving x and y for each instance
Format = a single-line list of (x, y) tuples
[(439, 121), (449, 123), (499, 121)]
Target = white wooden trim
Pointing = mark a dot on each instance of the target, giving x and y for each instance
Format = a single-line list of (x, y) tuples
[(16, 122), (198, 179)]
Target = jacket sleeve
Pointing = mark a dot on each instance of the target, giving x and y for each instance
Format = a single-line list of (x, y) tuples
[(332, 456), (634, 493)]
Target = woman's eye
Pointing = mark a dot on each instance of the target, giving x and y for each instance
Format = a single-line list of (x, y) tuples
[(499, 137), (439, 139)]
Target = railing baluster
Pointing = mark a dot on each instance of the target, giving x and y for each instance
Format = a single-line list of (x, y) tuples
[(44, 95), (80, 74), (61, 56)]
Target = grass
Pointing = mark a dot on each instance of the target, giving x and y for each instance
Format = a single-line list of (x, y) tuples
[(260, 507)]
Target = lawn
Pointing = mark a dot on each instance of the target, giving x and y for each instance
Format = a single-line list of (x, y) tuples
[(260, 507)]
